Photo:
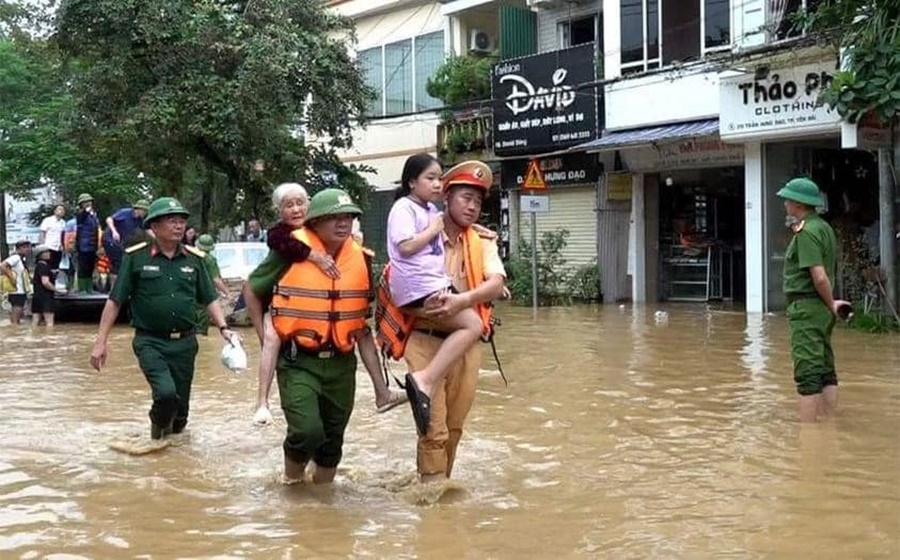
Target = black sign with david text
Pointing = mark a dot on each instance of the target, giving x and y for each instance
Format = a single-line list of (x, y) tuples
[(558, 171), (538, 105)]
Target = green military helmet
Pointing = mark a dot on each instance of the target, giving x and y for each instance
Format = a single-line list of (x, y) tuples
[(141, 204), (206, 243), (165, 206), (804, 191), (330, 202), (84, 197)]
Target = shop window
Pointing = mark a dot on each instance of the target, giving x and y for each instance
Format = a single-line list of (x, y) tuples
[(662, 32), (578, 31), (398, 73)]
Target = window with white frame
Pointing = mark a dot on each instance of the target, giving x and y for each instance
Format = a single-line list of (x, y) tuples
[(657, 33), (399, 71), (578, 31)]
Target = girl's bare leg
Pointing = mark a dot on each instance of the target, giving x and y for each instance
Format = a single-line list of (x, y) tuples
[(466, 330)]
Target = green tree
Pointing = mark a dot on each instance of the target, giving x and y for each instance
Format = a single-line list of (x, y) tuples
[(869, 31), (214, 95)]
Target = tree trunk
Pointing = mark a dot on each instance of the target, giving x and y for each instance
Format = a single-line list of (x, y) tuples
[(206, 199)]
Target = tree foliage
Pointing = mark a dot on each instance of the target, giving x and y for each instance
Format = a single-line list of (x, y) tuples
[(869, 31), (214, 96), (462, 79)]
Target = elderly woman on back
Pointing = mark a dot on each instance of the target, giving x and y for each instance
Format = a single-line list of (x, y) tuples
[(292, 203)]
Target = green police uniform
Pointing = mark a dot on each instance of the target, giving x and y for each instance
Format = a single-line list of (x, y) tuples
[(317, 393), (811, 322), (162, 293)]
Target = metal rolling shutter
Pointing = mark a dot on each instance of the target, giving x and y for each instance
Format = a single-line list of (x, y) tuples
[(572, 209)]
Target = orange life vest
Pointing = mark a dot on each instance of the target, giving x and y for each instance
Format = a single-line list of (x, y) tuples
[(393, 327), (103, 264), (316, 310)]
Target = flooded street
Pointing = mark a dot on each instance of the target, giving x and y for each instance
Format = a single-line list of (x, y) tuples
[(620, 436)]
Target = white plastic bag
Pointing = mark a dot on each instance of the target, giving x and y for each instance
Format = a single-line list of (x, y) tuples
[(233, 355)]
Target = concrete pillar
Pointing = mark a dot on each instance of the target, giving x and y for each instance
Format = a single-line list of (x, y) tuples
[(637, 241), (755, 228)]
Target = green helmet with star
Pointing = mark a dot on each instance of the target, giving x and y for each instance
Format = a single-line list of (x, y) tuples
[(330, 202), (165, 206)]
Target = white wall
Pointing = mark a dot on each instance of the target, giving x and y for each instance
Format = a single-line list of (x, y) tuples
[(385, 143), (662, 98)]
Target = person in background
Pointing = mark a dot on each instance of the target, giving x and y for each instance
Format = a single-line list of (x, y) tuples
[(86, 242), (809, 272), (162, 280), (101, 275), (254, 232), (207, 245), (43, 304), (121, 227), (52, 228), (190, 236), (15, 280), (70, 253)]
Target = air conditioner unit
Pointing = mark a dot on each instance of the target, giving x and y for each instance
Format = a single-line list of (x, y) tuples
[(480, 42)]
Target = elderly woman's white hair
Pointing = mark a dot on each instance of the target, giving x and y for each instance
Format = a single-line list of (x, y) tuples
[(285, 190)]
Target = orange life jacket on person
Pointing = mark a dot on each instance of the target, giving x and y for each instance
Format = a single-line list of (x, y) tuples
[(320, 312), (393, 327), (103, 264)]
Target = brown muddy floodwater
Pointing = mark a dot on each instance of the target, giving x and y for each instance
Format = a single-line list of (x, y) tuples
[(620, 436)]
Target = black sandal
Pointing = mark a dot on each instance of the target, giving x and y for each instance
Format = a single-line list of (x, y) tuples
[(420, 403)]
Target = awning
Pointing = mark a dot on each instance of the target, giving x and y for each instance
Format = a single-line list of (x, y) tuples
[(650, 135)]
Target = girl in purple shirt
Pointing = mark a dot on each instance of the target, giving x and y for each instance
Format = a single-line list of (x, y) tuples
[(419, 280)]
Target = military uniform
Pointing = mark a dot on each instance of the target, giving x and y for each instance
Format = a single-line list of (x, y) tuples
[(163, 294), (317, 388), (810, 320), (206, 244)]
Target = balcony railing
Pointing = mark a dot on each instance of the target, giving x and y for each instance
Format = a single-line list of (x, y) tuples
[(465, 131)]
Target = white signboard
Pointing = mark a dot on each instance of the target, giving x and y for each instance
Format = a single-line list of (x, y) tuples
[(537, 204), (784, 103)]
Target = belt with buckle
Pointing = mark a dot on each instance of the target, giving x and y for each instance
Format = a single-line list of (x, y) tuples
[(291, 350), (433, 332), (174, 335)]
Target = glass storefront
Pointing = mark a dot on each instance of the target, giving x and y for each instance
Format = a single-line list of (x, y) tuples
[(849, 179)]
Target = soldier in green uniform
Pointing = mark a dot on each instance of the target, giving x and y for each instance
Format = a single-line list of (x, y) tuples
[(163, 279), (207, 244), (809, 270)]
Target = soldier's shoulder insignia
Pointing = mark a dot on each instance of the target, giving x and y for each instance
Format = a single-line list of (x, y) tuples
[(137, 247), (798, 227), (195, 251), (368, 252)]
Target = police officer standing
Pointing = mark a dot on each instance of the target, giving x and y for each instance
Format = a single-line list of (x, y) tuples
[(809, 271), (163, 280)]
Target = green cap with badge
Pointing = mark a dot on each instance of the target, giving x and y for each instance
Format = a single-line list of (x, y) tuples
[(330, 202), (165, 206), (84, 197), (804, 191)]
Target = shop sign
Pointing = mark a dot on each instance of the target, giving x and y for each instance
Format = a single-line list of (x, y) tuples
[(784, 103), (618, 186), (538, 104), (536, 204), (565, 170), (691, 154)]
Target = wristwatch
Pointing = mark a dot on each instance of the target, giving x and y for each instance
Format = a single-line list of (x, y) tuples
[(223, 328)]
